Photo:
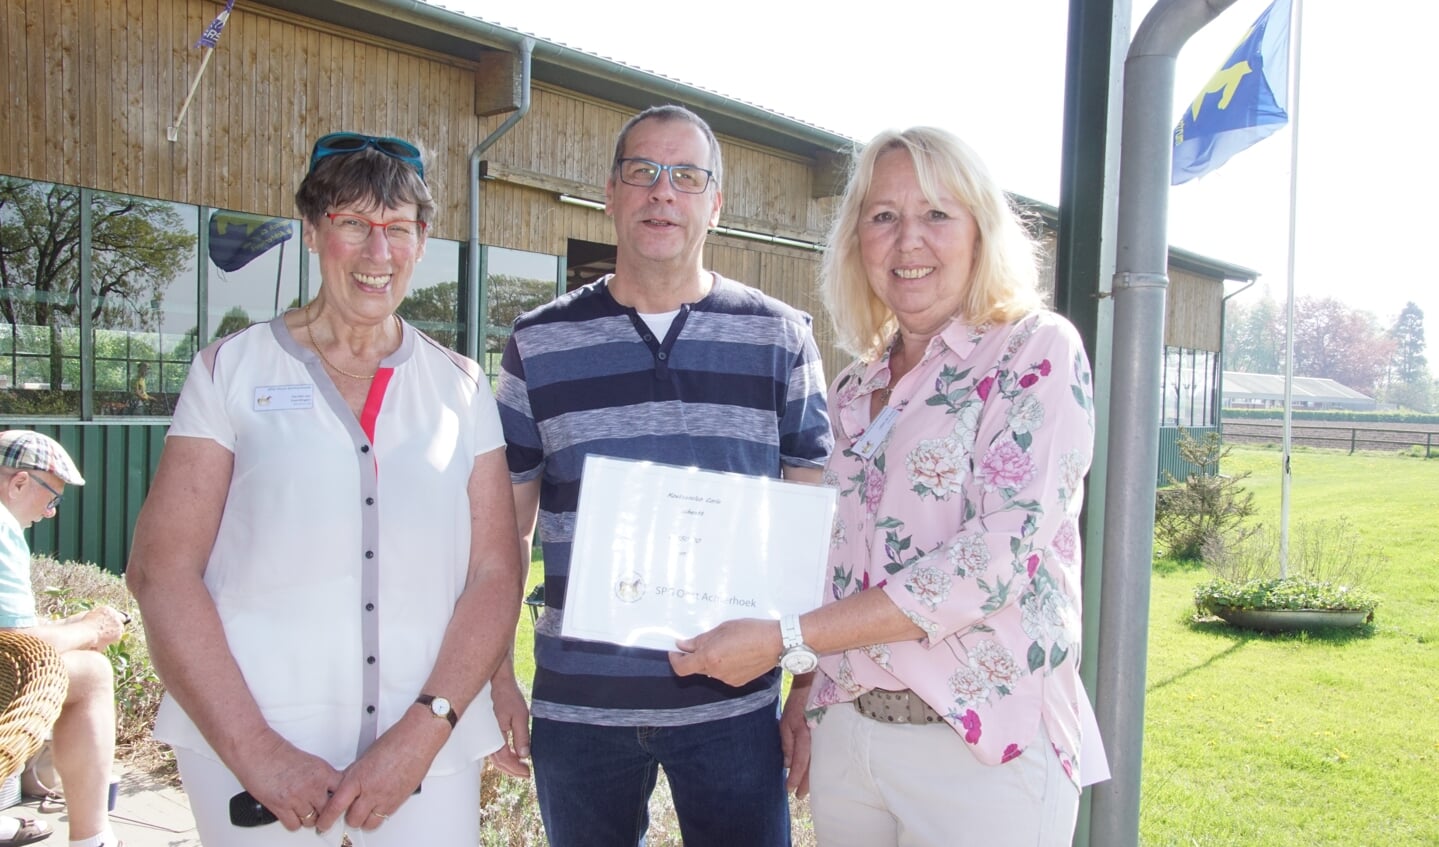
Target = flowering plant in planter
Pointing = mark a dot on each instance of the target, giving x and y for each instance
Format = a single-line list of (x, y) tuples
[(1327, 570), (1292, 593)]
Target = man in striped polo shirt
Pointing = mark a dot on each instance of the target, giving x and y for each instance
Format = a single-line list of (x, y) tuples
[(664, 361)]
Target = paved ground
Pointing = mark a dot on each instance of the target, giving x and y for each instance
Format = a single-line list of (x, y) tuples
[(147, 814)]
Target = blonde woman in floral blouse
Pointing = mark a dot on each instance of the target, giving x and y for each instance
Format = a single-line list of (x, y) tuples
[(945, 710)]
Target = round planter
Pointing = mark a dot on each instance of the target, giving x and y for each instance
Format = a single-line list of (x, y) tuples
[(1288, 620)]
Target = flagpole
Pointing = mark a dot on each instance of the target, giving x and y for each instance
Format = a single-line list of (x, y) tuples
[(209, 39), (1296, 35), (172, 132)]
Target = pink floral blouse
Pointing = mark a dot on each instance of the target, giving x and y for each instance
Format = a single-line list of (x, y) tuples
[(966, 516)]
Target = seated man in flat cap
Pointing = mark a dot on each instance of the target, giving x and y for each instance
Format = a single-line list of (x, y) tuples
[(34, 470)]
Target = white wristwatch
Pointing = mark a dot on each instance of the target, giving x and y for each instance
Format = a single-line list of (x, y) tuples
[(797, 657), (440, 708)]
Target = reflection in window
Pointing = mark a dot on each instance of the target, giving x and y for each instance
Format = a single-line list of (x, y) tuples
[(254, 271), (517, 282), (144, 306), (39, 296), (433, 301), (1188, 387)]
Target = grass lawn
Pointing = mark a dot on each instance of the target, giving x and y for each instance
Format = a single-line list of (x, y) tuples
[(1328, 739)]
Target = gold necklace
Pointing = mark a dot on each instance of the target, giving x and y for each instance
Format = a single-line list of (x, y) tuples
[(326, 359)]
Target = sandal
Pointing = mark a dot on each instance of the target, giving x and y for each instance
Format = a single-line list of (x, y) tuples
[(51, 804), (30, 831)]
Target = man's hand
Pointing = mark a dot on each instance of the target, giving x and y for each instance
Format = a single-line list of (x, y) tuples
[(735, 652), (513, 716), (794, 735), (108, 623)]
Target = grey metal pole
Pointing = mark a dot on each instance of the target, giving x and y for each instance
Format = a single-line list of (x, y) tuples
[(476, 314), (1140, 284)]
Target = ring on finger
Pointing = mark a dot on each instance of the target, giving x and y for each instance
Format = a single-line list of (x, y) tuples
[(305, 818), (380, 815)]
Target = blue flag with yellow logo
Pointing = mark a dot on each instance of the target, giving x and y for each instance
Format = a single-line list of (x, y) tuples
[(1245, 101)]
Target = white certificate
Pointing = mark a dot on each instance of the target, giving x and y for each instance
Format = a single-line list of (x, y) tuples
[(662, 553)]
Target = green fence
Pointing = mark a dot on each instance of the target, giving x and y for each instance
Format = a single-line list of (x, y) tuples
[(95, 521)]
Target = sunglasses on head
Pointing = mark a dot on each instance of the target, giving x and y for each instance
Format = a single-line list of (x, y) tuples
[(337, 143)]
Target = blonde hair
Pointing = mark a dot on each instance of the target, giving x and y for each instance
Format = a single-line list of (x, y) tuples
[(1004, 281)]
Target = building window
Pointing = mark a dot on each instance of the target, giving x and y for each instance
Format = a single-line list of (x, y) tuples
[(253, 271), (39, 298), (516, 281), (144, 309), (1188, 387), (114, 336), (433, 303)]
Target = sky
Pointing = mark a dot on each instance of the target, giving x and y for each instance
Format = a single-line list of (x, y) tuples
[(992, 71)]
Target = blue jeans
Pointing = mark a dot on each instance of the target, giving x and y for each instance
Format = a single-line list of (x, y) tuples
[(726, 776)]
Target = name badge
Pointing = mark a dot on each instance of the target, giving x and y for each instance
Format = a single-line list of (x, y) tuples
[(284, 398), (878, 430)]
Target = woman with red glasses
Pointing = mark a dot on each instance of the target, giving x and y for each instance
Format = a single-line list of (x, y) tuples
[(327, 561)]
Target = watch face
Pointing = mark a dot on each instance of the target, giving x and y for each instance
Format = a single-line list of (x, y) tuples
[(440, 706), (799, 661)]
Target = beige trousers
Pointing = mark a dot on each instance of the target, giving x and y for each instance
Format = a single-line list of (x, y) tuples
[(875, 784)]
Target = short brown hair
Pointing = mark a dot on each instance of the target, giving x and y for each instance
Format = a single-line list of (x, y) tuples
[(366, 177), (666, 113)]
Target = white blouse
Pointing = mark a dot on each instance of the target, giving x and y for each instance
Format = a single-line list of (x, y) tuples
[(345, 542)]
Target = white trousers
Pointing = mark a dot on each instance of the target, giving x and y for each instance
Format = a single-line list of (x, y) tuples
[(446, 813), (878, 784)]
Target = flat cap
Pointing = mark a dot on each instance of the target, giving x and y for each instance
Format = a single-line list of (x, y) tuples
[(27, 450)]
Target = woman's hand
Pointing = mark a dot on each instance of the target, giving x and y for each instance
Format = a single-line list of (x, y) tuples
[(735, 652), (293, 784), (371, 789)]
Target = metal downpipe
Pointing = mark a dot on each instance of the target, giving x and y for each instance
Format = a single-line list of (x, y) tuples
[(1140, 284), (475, 316)]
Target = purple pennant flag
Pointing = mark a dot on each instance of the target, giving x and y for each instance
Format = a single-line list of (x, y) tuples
[(211, 36)]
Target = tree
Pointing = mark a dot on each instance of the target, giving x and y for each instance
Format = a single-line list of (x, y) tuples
[(137, 248), (1408, 335), (1338, 342), (1409, 368), (233, 321), (512, 296), (435, 310), (1251, 344)]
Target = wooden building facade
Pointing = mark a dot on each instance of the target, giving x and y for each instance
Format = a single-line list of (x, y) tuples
[(127, 245)]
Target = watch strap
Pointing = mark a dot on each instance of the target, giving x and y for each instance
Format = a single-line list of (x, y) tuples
[(789, 632), (450, 715)]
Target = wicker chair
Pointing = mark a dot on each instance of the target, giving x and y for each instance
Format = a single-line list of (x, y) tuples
[(32, 690)]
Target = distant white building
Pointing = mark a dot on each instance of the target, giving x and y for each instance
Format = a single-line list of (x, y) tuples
[(1263, 391)]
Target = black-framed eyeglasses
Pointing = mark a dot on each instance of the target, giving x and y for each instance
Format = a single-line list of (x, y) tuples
[(337, 143), (54, 501), (689, 179)]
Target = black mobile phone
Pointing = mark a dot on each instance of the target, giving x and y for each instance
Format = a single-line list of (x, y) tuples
[(246, 811)]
